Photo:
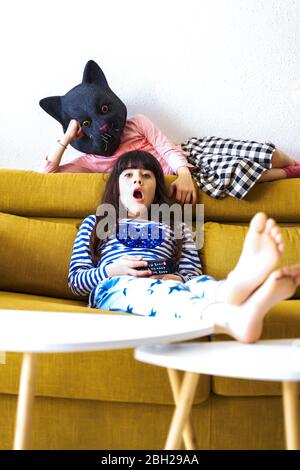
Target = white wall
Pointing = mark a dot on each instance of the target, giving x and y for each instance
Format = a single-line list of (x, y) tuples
[(195, 67)]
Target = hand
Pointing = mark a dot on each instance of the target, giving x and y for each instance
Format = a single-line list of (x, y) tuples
[(172, 277), (73, 131), (125, 266), (184, 187)]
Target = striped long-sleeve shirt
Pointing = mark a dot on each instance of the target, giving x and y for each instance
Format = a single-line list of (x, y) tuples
[(84, 276)]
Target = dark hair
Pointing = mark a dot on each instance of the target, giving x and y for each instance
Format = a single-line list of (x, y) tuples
[(136, 159)]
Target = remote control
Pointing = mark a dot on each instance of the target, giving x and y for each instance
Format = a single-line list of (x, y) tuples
[(160, 266)]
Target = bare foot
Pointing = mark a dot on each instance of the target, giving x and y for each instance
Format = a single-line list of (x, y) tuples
[(244, 322), (262, 249)]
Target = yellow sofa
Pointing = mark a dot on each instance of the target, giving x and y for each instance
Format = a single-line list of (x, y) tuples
[(107, 400)]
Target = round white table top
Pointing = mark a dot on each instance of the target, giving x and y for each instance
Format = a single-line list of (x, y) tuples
[(40, 331), (277, 360)]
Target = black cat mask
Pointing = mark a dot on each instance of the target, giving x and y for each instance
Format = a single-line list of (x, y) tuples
[(101, 114)]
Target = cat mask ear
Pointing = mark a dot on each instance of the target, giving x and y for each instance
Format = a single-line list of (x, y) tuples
[(52, 106), (99, 111), (93, 74)]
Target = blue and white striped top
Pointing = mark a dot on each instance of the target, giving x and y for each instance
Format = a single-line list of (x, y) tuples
[(84, 276)]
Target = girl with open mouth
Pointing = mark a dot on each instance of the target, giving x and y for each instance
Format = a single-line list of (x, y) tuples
[(106, 268)]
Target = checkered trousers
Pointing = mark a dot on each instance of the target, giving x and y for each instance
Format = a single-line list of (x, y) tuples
[(227, 167)]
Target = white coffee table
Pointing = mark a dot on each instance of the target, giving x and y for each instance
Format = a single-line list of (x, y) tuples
[(275, 360), (34, 332)]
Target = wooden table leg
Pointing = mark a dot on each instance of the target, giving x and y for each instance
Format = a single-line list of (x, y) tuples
[(189, 437), (182, 410), (25, 402), (290, 409)]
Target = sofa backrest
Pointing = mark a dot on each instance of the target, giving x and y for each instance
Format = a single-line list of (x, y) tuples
[(76, 195), (279, 199)]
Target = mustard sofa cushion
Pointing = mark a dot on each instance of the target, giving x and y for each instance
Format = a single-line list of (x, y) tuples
[(223, 245), (280, 199), (32, 194), (22, 301), (35, 256), (29, 193)]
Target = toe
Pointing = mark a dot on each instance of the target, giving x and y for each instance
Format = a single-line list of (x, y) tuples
[(275, 233), (270, 225), (258, 222), (280, 247)]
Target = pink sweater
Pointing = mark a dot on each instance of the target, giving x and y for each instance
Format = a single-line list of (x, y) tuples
[(139, 134)]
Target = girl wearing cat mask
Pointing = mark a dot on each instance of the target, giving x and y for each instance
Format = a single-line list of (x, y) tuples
[(95, 122)]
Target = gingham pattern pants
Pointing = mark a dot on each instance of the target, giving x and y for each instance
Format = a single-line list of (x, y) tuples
[(161, 298), (227, 167)]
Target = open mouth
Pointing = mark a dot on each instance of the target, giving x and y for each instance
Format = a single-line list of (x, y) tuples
[(138, 195)]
